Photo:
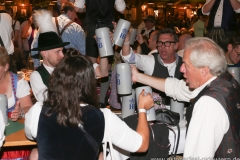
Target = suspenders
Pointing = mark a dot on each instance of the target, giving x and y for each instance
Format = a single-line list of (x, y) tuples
[(60, 33)]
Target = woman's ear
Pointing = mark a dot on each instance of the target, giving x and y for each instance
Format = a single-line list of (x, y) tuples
[(6, 67)]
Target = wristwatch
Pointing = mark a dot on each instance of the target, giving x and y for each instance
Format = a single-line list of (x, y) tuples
[(22, 115)]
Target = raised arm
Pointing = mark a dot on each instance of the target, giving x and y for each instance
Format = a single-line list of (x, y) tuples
[(145, 102), (102, 69), (80, 6), (173, 87), (126, 46), (208, 6), (157, 83), (235, 4), (122, 135)]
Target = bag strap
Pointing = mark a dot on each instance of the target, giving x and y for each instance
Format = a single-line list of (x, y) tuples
[(178, 137), (56, 22), (174, 153), (68, 24), (90, 139)]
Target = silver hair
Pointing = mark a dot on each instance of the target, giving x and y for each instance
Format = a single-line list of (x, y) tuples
[(206, 53)]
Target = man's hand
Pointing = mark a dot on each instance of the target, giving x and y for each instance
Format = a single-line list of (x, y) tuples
[(134, 73)]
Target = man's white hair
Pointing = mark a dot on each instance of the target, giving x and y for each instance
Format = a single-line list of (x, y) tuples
[(206, 53)]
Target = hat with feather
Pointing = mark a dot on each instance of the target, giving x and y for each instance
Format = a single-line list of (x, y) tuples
[(48, 37)]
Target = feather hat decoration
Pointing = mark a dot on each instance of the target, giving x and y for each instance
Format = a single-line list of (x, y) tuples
[(44, 20), (48, 38)]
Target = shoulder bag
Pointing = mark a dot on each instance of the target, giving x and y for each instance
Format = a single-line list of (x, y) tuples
[(169, 118)]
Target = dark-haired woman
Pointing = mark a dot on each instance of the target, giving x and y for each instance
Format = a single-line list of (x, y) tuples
[(64, 122)]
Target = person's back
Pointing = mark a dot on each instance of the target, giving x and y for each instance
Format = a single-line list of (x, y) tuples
[(100, 9), (198, 26), (67, 142), (73, 34), (199, 29), (6, 32), (61, 125)]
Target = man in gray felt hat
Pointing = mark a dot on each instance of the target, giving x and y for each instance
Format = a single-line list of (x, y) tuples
[(50, 46)]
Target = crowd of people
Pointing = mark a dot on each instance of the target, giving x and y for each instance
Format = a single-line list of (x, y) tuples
[(69, 121)]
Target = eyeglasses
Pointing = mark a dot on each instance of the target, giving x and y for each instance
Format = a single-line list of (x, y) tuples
[(237, 52), (166, 44)]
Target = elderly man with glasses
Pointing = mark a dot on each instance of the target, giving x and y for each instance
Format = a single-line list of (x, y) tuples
[(165, 63)]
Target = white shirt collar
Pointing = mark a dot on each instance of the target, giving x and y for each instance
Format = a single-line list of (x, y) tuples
[(49, 69), (199, 89)]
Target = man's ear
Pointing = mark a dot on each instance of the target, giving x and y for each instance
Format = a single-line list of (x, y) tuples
[(205, 71), (43, 53), (229, 47)]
